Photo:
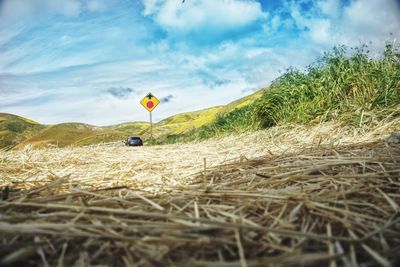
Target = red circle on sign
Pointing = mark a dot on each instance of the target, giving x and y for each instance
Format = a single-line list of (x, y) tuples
[(150, 104)]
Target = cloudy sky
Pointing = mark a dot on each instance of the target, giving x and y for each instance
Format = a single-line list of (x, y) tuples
[(93, 60)]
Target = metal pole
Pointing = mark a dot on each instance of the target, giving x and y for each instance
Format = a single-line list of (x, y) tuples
[(151, 126)]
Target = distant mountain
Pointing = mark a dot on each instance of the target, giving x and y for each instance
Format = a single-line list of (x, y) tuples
[(16, 131)]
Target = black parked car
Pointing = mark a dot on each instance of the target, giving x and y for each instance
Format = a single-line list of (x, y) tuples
[(134, 141)]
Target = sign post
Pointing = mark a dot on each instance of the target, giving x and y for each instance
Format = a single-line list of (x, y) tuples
[(150, 102)]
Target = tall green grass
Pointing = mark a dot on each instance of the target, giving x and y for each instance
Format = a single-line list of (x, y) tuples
[(340, 83), (344, 84)]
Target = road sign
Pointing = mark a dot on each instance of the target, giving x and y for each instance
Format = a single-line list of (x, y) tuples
[(150, 102)]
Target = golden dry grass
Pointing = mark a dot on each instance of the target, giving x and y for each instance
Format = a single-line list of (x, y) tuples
[(325, 195)]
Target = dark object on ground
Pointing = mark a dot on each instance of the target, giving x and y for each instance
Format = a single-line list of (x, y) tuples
[(134, 141), (5, 192), (394, 138)]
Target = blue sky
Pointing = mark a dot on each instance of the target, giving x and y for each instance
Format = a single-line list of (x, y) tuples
[(93, 60)]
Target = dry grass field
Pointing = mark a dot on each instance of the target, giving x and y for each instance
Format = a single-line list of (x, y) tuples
[(325, 195)]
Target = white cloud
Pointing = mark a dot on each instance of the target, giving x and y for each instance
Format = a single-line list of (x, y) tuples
[(361, 21), (320, 31), (316, 29), (301, 20), (330, 8), (12, 11), (197, 14), (96, 5), (371, 20), (151, 6), (276, 22), (66, 7)]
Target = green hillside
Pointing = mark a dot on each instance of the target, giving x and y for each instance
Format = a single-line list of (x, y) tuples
[(15, 129), (72, 134), (130, 128)]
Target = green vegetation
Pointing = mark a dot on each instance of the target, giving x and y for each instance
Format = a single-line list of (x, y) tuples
[(130, 127), (16, 126), (336, 86), (345, 84), (237, 121), (15, 129), (66, 134)]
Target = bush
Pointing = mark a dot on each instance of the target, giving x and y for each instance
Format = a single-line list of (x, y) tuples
[(16, 126)]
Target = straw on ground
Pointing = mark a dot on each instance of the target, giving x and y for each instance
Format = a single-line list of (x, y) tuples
[(326, 195)]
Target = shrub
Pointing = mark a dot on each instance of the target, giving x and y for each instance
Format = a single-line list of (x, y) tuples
[(16, 126)]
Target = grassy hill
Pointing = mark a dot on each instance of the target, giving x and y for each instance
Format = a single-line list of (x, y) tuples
[(17, 131), (72, 134), (130, 127)]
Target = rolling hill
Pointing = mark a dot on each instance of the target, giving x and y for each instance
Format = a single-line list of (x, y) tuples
[(65, 134), (17, 131)]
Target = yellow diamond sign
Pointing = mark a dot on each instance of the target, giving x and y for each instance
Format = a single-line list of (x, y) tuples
[(150, 102)]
